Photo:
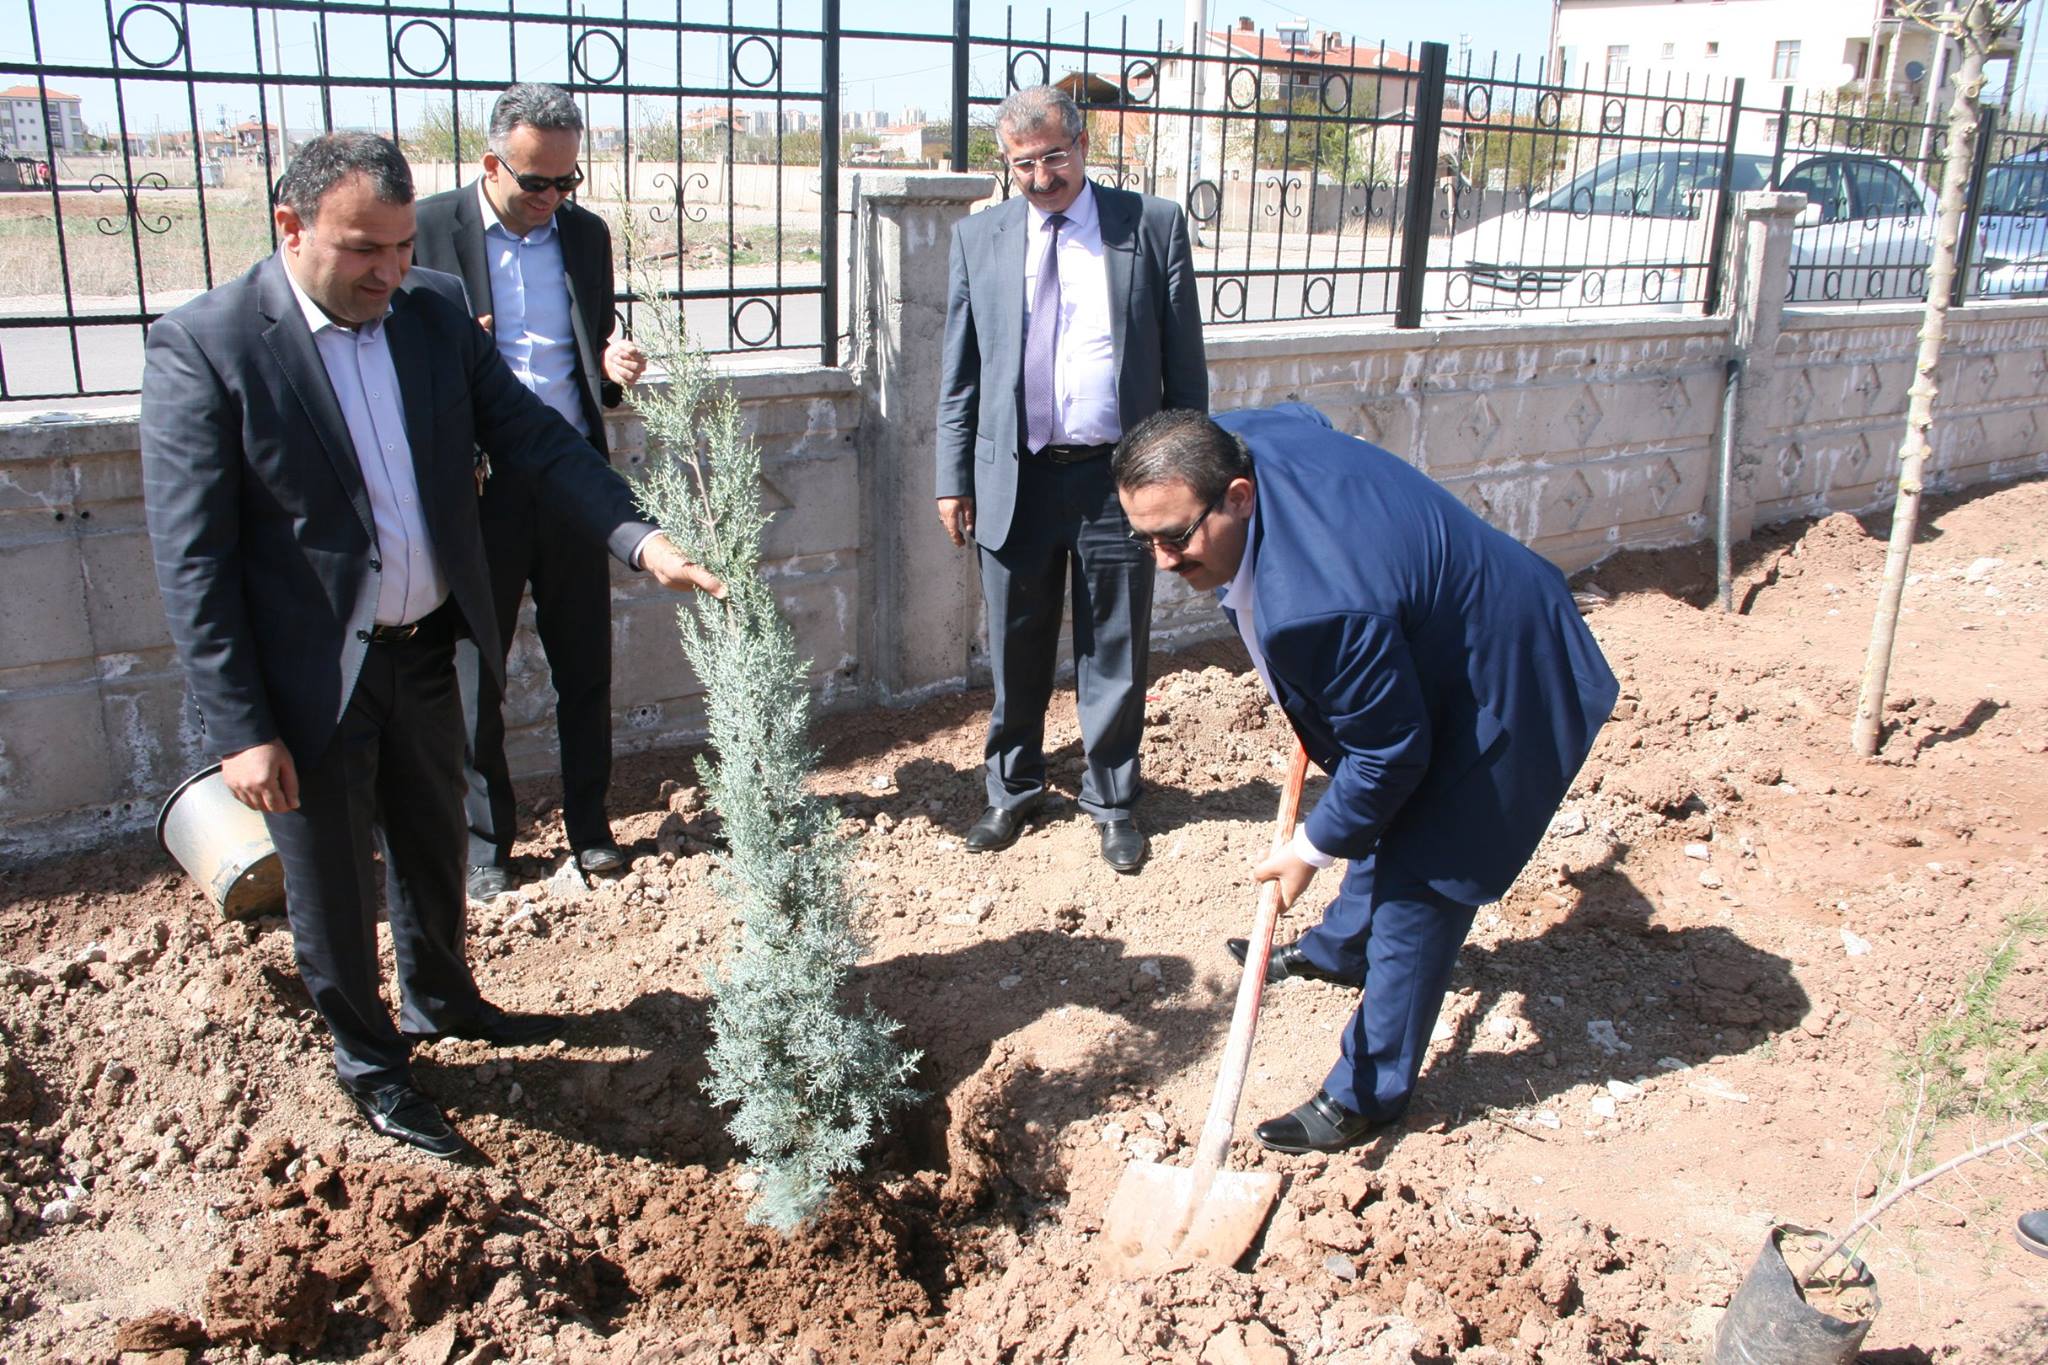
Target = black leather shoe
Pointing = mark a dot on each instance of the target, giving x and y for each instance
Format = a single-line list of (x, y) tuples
[(2033, 1231), (1123, 845), (601, 860), (403, 1113), (1286, 961), (500, 1028), (1321, 1125), (998, 828), (488, 881)]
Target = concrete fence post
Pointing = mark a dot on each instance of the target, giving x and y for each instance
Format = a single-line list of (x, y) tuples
[(921, 605), (1759, 264)]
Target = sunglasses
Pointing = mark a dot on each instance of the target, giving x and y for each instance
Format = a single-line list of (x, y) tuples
[(537, 184), (1178, 541)]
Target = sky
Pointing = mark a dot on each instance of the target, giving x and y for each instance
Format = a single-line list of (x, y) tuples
[(875, 74)]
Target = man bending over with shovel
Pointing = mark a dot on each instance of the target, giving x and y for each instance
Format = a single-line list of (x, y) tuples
[(1434, 667)]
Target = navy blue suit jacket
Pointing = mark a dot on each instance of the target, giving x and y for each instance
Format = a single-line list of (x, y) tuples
[(1435, 667)]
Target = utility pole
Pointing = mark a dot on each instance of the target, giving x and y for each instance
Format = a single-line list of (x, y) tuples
[(284, 135), (1196, 16), (2019, 102), (326, 97)]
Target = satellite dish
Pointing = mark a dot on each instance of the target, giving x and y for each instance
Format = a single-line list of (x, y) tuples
[(1915, 70)]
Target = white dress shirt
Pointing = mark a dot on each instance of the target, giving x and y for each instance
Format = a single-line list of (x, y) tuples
[(531, 313), (358, 363), (1084, 366), (1237, 597)]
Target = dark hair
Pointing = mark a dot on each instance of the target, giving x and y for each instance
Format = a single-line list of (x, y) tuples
[(1180, 446), (1035, 106), (331, 158), (531, 104)]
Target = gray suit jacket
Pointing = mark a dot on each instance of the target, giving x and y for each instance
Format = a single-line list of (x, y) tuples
[(1157, 330), (265, 550)]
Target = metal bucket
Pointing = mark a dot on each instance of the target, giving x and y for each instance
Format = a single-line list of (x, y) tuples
[(1769, 1321), (222, 845)]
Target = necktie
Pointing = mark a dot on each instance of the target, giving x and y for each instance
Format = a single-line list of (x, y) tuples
[(1041, 343)]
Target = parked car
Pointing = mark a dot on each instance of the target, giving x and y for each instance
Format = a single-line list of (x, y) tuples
[(1637, 229), (2011, 252)]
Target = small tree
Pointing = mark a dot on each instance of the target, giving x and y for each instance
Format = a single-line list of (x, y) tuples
[(1975, 27), (810, 1080), (446, 132)]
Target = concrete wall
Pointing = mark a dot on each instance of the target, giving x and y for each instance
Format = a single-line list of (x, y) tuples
[(1578, 439), (93, 726), (1841, 407)]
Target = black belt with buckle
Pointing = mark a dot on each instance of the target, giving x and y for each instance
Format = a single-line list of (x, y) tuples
[(1070, 454), (429, 629)]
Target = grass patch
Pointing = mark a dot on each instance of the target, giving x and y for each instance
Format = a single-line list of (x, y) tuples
[(101, 244), (1978, 1062)]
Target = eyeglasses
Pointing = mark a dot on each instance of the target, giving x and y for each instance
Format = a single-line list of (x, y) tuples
[(1155, 540), (537, 184), (1052, 161)]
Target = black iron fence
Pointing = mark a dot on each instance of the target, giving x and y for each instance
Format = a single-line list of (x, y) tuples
[(1323, 177), (1873, 175), (712, 144)]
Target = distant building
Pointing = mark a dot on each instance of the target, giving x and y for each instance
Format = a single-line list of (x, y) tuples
[(716, 118), (252, 137), (26, 131), (1295, 64), (1811, 47), (1116, 134), (902, 142)]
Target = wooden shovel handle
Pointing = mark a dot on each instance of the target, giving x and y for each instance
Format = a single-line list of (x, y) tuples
[(1244, 1020)]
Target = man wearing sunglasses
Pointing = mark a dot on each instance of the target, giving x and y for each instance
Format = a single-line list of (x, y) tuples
[(1433, 666), (1070, 318), (539, 273)]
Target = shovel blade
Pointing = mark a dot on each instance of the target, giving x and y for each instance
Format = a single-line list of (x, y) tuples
[(1154, 1225)]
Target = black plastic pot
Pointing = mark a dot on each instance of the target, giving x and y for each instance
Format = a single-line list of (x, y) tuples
[(1769, 1322)]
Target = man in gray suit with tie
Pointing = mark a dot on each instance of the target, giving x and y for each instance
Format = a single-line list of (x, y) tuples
[(1070, 318), (308, 436)]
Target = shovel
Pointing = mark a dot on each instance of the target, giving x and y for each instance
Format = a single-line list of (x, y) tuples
[(1162, 1217)]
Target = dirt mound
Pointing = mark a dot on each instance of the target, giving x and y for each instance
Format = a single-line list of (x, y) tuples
[(1685, 1020), (399, 1245), (1357, 1266), (864, 1282)]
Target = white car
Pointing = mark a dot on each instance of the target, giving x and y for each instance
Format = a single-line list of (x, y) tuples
[(2011, 251), (1637, 229)]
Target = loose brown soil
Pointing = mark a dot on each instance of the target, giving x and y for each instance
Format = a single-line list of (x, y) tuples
[(1682, 1025)]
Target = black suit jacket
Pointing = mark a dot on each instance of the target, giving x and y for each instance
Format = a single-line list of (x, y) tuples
[(265, 551), (451, 238)]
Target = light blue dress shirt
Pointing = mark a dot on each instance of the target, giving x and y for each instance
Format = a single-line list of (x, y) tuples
[(531, 313), (358, 363), (1239, 598)]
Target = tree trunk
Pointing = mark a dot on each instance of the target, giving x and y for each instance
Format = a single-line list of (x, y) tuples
[(1974, 28)]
